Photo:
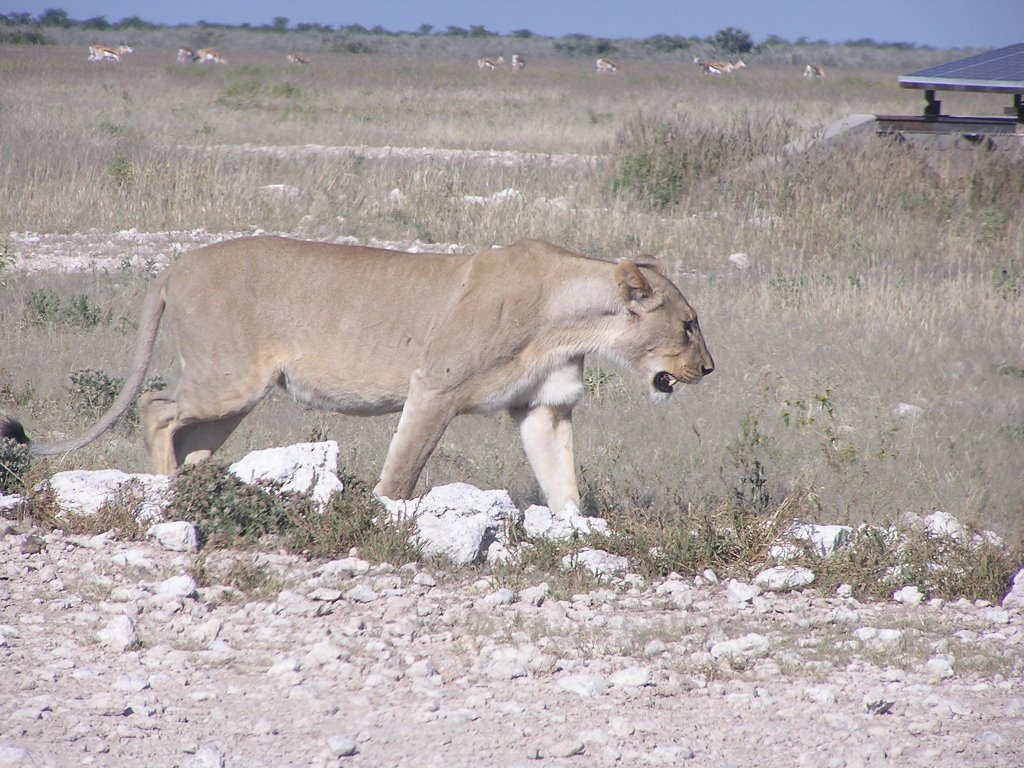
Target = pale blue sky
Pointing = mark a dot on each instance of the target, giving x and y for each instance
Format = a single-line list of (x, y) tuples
[(939, 23)]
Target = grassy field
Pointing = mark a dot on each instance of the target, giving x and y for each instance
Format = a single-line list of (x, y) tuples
[(881, 274)]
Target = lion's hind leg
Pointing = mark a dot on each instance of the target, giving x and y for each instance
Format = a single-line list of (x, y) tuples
[(198, 441), (176, 434), (157, 415)]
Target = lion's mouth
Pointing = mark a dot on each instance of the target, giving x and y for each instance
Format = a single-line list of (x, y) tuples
[(665, 382)]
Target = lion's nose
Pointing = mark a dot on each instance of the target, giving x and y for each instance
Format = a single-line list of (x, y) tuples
[(707, 368)]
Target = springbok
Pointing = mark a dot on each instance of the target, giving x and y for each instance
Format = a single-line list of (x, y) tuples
[(518, 62), (606, 65), (718, 67), (297, 58), (187, 54), (210, 55), (815, 71), (490, 63), (104, 53)]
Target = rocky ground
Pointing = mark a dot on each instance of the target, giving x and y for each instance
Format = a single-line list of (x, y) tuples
[(111, 655)]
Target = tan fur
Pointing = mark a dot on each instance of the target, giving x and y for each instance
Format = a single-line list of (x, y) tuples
[(368, 331)]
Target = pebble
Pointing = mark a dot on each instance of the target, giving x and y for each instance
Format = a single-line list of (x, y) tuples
[(583, 685), (119, 634)]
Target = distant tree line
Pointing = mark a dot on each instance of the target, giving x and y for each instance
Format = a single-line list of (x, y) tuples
[(21, 27)]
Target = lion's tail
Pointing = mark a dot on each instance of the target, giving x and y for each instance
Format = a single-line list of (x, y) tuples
[(149, 324)]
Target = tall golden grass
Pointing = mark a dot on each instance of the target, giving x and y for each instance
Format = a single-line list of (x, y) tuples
[(880, 273)]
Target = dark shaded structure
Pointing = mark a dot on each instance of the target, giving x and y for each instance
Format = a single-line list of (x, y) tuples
[(997, 71)]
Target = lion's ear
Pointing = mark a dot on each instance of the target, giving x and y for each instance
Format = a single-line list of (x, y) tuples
[(635, 289)]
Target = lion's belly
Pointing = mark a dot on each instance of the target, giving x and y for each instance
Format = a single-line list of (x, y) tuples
[(348, 397)]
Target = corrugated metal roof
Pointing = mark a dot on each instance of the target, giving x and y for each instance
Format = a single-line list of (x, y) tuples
[(1000, 71)]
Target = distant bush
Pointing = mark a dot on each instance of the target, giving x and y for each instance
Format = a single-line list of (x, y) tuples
[(23, 37), (667, 43), (582, 45), (732, 41)]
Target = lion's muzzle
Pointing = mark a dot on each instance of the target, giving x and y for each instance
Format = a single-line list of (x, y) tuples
[(666, 382)]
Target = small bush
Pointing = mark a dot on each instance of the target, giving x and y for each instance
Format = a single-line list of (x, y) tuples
[(230, 513), (93, 391), (14, 466), (878, 560)]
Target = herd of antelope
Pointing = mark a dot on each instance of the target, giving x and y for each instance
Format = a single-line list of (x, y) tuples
[(603, 65)]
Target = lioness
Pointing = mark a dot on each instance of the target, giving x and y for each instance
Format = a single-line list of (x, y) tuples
[(368, 331)]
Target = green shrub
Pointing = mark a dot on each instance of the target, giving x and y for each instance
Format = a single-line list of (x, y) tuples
[(14, 466), (230, 513)]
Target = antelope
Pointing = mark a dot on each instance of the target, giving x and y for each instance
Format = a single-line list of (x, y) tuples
[(814, 70), (297, 58), (718, 67), (606, 65), (204, 55), (187, 54), (490, 63), (104, 53), (518, 62)]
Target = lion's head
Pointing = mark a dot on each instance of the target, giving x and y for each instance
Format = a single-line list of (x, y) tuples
[(666, 344)]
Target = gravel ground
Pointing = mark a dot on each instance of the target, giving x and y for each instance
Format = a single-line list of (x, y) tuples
[(111, 655)]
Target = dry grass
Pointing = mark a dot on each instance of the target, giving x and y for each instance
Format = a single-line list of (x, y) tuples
[(881, 273)]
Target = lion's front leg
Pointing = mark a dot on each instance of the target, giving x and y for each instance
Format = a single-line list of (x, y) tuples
[(425, 417), (547, 438)]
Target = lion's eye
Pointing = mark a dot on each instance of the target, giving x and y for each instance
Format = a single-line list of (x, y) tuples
[(689, 326)]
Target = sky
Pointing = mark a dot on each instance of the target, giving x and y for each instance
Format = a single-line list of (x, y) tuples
[(936, 23)]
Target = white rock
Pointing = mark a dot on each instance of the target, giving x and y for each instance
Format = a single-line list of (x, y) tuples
[(738, 592), (131, 684), (907, 411), (534, 596), (12, 756), (302, 468), (361, 593), (739, 260), (877, 702), (345, 568), (9, 502), (284, 666), (119, 634), (503, 596), (208, 756), (820, 694), (1014, 599), (597, 561), (939, 666), (944, 525), (749, 646), (84, 492), (342, 746), (177, 586), (821, 540), (395, 196), (781, 578), (632, 677), (709, 576), (908, 595), (458, 521), (540, 522), (177, 536), (583, 685)]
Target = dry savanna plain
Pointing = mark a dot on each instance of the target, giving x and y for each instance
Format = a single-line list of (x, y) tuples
[(862, 300)]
